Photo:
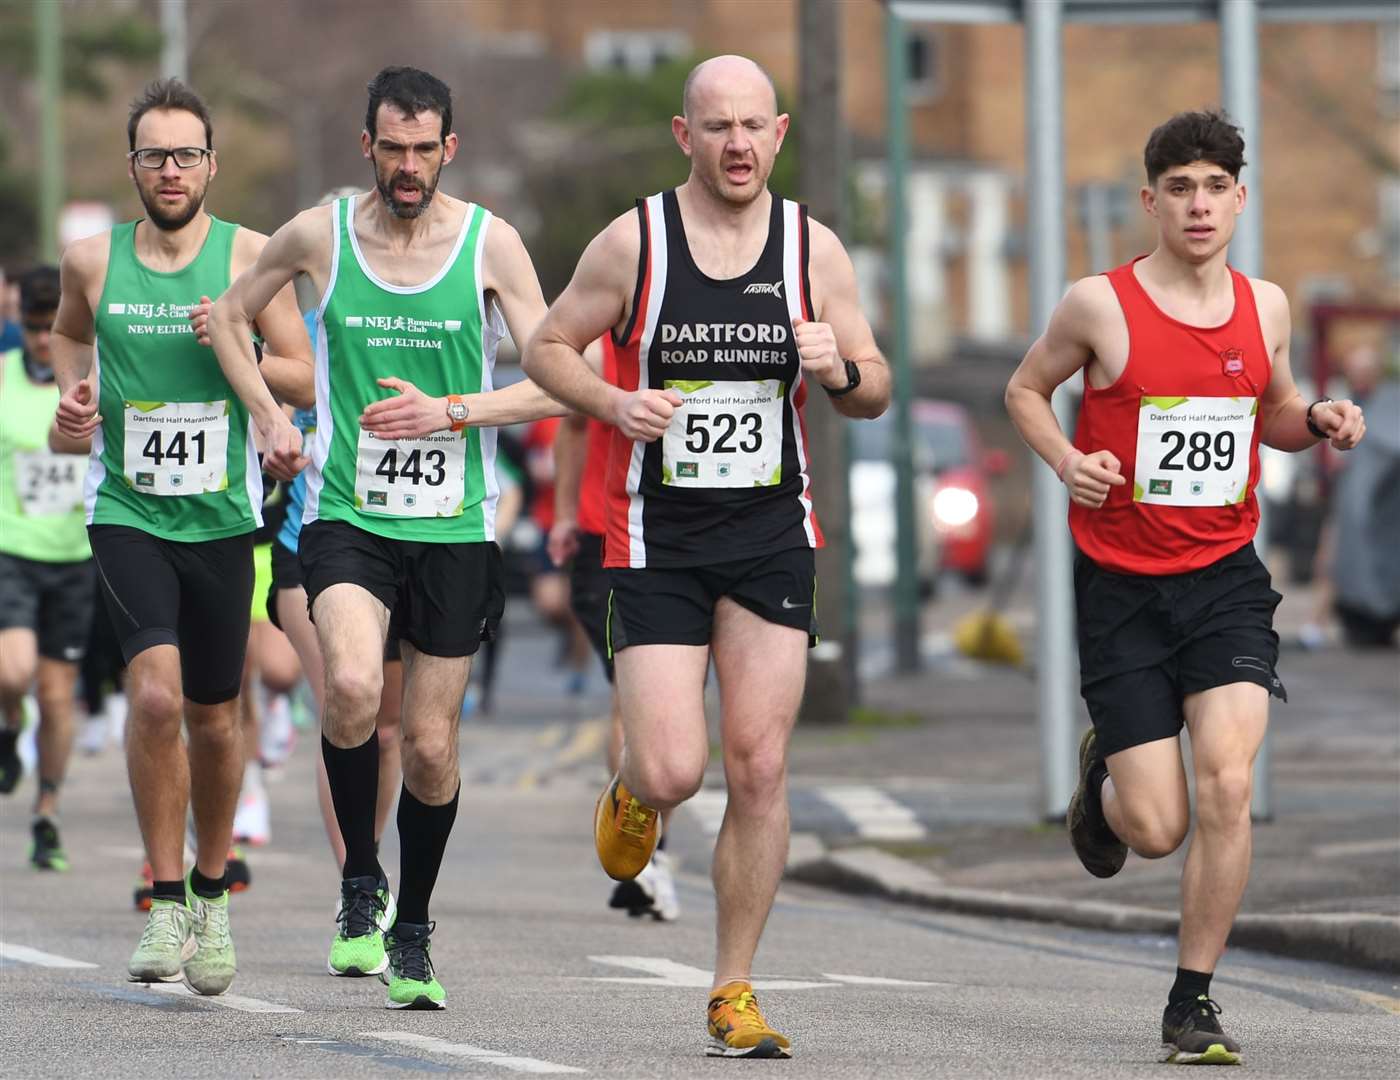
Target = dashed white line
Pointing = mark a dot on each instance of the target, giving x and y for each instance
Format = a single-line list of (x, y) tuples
[(877, 980), (227, 1001), (23, 954), (875, 815), (478, 1053), (663, 972)]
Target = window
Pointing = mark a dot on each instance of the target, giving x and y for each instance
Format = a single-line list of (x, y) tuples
[(636, 52), (923, 67)]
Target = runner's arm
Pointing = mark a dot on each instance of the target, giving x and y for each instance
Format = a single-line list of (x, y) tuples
[(70, 344), (1284, 414), (60, 443), (590, 307), (570, 449), (1064, 348), (836, 302), (287, 366)]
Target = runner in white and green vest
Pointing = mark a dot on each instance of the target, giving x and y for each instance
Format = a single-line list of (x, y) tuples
[(46, 575), (172, 496), (401, 492)]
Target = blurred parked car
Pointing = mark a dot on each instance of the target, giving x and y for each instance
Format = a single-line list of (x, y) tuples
[(955, 514)]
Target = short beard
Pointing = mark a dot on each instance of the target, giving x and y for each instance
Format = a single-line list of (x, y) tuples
[(166, 222), (404, 211)]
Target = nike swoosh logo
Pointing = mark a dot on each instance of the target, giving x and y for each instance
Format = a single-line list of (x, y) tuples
[(788, 605)]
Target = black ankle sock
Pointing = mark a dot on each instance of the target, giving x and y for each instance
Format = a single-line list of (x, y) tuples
[(9, 738), (661, 840), (168, 890), (1189, 985), (354, 781), (423, 833), (208, 888)]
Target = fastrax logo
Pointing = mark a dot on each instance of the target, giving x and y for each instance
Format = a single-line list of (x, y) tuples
[(763, 289)]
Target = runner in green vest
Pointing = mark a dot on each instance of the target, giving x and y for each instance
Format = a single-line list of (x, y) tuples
[(173, 493), (46, 576), (401, 492)]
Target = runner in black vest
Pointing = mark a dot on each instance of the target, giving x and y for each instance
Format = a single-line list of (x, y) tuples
[(722, 300)]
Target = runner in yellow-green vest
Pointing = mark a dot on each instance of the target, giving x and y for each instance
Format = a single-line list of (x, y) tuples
[(416, 290), (46, 578), (172, 496)]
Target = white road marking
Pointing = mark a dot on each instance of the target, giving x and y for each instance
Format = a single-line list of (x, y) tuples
[(477, 1053), (23, 954), (708, 805), (670, 973), (1356, 847), (876, 816), (876, 980), (227, 1001)]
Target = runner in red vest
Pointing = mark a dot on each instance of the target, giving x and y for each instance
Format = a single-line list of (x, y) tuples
[(1186, 371)]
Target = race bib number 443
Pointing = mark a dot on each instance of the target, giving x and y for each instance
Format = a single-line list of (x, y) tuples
[(1194, 451), (411, 477), (49, 483), (176, 447), (724, 435)]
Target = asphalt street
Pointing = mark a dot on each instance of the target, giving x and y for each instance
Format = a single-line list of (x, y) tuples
[(542, 977)]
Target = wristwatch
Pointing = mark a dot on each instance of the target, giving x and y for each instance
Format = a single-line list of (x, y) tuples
[(457, 411), (1313, 429), (852, 380)]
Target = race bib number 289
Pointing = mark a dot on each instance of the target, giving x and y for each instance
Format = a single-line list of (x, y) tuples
[(1194, 451)]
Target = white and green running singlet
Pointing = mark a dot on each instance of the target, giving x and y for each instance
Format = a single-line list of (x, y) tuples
[(174, 456), (438, 336)]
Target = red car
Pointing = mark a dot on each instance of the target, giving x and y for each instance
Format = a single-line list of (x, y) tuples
[(964, 510)]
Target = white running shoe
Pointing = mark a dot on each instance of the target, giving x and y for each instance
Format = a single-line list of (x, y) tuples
[(278, 733), (115, 708), (252, 821), (657, 882), (93, 740)]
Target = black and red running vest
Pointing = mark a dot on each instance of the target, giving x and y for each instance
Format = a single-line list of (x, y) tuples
[(728, 480)]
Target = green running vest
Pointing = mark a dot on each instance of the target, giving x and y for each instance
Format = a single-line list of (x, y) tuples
[(175, 455), (41, 493), (438, 336)]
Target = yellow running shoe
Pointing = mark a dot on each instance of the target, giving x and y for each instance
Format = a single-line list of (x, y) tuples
[(737, 1027), (624, 832)]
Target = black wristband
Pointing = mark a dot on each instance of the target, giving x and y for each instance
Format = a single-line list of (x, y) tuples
[(1317, 432), (852, 380), (257, 351)]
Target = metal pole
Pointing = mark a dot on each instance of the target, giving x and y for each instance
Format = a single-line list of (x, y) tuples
[(906, 590), (48, 33), (1055, 659), (174, 50), (1239, 93), (831, 668)]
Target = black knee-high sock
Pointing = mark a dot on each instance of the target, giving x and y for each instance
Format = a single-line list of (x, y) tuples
[(423, 833), (354, 780)]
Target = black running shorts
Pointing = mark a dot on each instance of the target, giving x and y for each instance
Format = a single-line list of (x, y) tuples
[(676, 606), (1146, 642), (196, 596), (286, 574), (54, 599), (445, 599), (588, 595)]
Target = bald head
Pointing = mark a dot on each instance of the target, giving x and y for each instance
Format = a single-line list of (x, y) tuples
[(721, 73)]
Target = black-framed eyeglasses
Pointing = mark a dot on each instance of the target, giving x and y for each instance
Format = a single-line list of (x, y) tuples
[(153, 157)]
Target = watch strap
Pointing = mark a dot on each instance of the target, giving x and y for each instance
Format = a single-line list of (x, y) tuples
[(1313, 429), (852, 380)]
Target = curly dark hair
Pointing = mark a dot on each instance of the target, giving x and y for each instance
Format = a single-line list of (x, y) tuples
[(1207, 135)]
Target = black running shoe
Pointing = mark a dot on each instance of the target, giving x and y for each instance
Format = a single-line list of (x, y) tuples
[(11, 768), (1191, 1035), (46, 850), (630, 897), (1102, 853)]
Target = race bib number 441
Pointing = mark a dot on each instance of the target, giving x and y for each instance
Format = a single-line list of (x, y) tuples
[(724, 435), (49, 483), (1194, 451), (176, 447), (411, 477)]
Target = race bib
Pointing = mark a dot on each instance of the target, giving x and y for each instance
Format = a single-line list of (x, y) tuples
[(724, 435), (411, 477), (1194, 451), (176, 447), (49, 483)]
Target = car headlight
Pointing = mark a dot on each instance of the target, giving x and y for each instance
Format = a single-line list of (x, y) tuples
[(954, 507)]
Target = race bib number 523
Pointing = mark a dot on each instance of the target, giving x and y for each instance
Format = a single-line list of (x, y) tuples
[(176, 447), (1194, 451), (724, 435)]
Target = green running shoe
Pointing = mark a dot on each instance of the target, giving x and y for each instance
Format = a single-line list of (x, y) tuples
[(211, 969), (165, 945), (366, 911), (46, 850), (412, 984)]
